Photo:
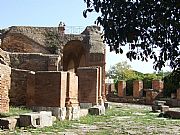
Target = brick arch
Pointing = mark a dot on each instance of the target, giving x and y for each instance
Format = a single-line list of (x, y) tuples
[(20, 43), (73, 51)]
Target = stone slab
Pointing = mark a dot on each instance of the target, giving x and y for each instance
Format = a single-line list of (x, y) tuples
[(172, 114), (8, 123), (97, 110)]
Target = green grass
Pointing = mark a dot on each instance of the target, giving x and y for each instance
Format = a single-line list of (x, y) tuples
[(15, 111), (118, 120)]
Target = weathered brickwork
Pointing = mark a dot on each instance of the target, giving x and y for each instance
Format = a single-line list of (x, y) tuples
[(72, 90), (88, 84), (17, 93), (49, 90), (5, 83), (157, 85), (39, 78), (34, 62), (121, 88), (137, 88)]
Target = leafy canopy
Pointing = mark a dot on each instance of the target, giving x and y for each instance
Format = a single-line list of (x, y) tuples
[(144, 25)]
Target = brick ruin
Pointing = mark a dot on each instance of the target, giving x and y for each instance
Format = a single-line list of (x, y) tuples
[(46, 69), (140, 94)]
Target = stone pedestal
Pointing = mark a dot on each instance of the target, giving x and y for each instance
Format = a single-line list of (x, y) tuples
[(121, 88), (8, 123), (97, 110), (59, 113), (36, 119), (72, 90), (150, 96), (137, 88)]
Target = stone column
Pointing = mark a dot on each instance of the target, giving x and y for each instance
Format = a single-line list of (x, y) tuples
[(72, 90), (100, 100), (121, 88), (157, 85), (5, 85), (137, 88)]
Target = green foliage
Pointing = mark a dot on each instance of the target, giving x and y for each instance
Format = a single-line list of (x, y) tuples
[(171, 83), (142, 25), (147, 80), (53, 42), (122, 71), (129, 87), (15, 111)]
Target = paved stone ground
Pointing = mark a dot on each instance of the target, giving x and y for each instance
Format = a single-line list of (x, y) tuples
[(117, 125)]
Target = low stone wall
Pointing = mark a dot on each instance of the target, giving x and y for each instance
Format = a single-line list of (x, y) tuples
[(5, 83)]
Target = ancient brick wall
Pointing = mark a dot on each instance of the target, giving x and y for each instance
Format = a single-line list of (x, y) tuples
[(88, 85), (17, 93), (157, 85), (137, 88), (48, 89), (34, 61), (121, 88), (21, 43), (5, 82), (27, 39)]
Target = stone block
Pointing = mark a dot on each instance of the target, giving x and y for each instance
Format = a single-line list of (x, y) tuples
[(45, 118), (107, 105), (155, 108), (36, 119), (73, 113), (164, 108), (30, 119), (159, 103), (172, 114), (60, 113), (8, 123), (97, 110), (85, 105), (137, 88)]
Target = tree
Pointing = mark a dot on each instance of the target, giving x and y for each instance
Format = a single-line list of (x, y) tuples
[(144, 25), (122, 71)]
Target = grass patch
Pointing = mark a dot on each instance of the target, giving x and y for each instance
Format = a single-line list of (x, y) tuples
[(118, 120), (15, 111)]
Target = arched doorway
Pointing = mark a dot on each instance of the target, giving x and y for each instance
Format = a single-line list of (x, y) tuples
[(73, 56)]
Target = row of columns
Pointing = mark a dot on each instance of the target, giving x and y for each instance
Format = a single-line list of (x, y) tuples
[(138, 87)]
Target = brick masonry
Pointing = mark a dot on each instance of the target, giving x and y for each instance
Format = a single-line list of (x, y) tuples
[(51, 92), (137, 88), (121, 88), (17, 93), (157, 85), (88, 84), (5, 83)]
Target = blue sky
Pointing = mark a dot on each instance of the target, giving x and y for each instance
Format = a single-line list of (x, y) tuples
[(50, 13)]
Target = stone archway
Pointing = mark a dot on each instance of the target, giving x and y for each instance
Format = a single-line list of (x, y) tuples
[(73, 56)]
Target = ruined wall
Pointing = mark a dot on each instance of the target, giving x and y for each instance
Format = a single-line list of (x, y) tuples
[(47, 89), (88, 84), (17, 93), (5, 82), (34, 62), (4, 57)]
